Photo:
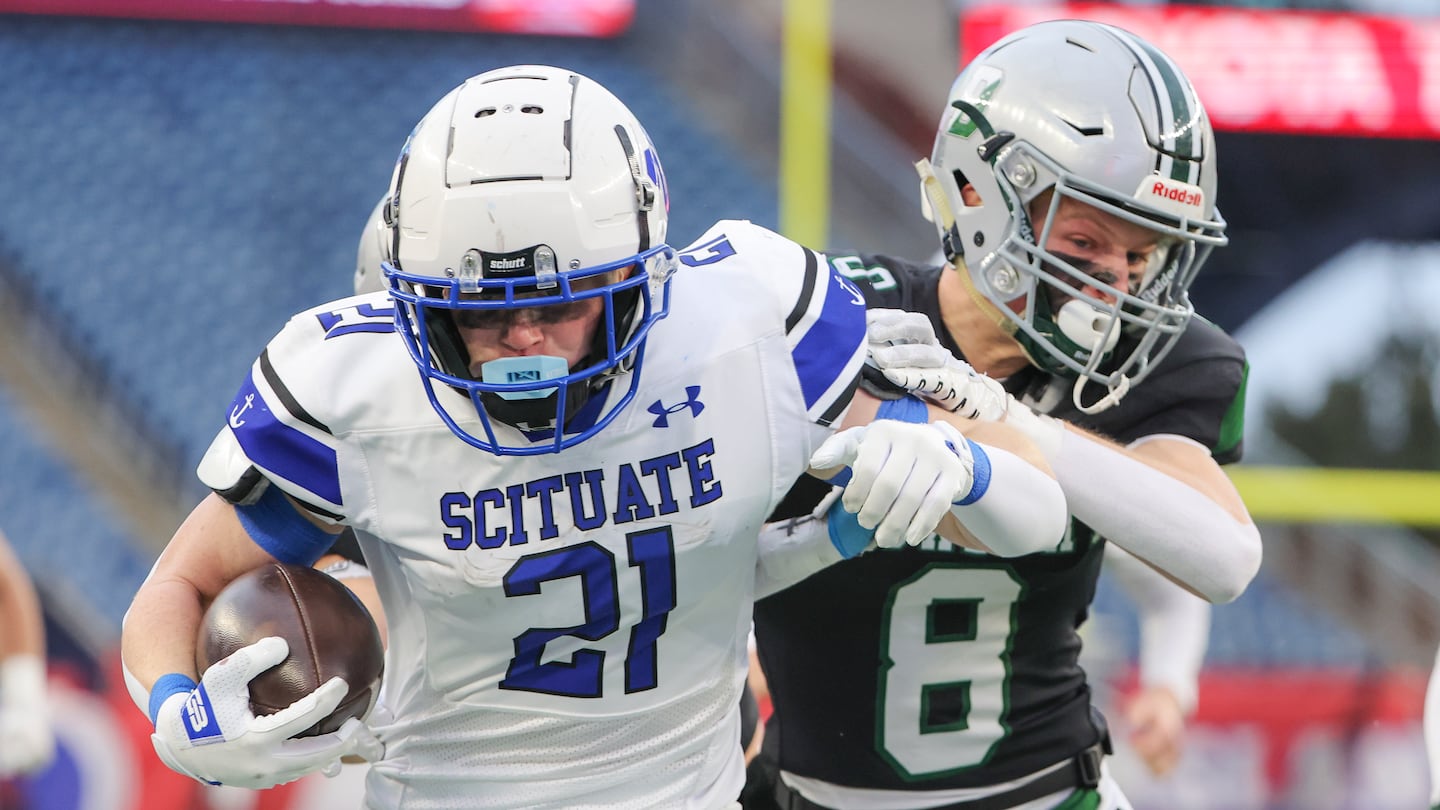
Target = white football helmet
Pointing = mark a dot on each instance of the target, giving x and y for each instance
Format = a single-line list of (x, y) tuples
[(372, 252), (1098, 115), (516, 191)]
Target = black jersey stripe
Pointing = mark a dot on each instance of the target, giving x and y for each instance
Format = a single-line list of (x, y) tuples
[(838, 406), (286, 398), (326, 513), (807, 292)]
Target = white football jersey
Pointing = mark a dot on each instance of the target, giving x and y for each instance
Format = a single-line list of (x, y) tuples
[(566, 630)]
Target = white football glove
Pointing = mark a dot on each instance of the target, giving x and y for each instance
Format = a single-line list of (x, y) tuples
[(27, 742), (209, 733), (904, 476), (902, 345)]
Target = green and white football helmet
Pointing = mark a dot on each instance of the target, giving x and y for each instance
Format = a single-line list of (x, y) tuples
[(1095, 114)]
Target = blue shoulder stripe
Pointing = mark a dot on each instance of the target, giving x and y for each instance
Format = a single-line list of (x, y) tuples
[(283, 450), (826, 355)]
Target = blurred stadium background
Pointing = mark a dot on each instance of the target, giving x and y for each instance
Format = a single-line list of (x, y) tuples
[(183, 176)]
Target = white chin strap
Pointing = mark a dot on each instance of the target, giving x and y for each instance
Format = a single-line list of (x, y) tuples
[(1115, 392), (1088, 326)]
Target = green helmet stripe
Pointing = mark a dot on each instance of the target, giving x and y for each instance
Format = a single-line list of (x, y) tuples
[(1178, 107)]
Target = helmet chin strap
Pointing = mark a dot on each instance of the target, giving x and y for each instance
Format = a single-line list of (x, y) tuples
[(1114, 393)]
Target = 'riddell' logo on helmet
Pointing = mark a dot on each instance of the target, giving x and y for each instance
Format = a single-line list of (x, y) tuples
[(1172, 196), (1185, 196)]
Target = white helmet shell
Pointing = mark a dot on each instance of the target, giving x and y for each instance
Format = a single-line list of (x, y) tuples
[(518, 185)]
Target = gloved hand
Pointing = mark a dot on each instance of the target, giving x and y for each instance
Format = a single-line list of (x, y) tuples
[(209, 732), (27, 742), (904, 477), (902, 345)]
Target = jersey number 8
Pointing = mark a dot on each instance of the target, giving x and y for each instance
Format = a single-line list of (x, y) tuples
[(945, 674)]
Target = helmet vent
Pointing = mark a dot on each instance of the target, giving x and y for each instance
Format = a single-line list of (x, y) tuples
[(1078, 44), (532, 109), (485, 113), (1086, 131)]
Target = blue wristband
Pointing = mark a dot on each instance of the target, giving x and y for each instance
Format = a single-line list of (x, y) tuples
[(165, 686), (846, 534), (981, 470), (908, 408)]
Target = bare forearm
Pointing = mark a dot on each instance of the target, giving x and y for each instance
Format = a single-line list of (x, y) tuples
[(208, 550), (22, 631), (159, 631)]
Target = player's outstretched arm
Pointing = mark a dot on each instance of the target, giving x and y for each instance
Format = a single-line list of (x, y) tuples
[(28, 741), (925, 473), (916, 469), (1163, 498), (1174, 634)]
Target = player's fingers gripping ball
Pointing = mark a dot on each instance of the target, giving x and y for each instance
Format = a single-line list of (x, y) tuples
[(209, 732), (329, 632)]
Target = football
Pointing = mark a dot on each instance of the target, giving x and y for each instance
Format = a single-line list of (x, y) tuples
[(329, 630)]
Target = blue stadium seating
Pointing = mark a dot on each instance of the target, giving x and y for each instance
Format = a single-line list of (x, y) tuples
[(67, 539), (186, 187), (1268, 626)]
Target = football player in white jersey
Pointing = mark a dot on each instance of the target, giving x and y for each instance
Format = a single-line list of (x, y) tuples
[(564, 546)]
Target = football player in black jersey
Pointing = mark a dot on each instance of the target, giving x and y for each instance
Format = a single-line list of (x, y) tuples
[(1072, 183)]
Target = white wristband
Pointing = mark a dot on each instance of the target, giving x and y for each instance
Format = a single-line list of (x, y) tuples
[(1021, 511), (22, 680)]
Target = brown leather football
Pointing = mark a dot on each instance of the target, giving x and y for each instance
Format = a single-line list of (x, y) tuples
[(329, 631)]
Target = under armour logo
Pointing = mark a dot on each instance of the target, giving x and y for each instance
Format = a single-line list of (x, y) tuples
[(662, 412)]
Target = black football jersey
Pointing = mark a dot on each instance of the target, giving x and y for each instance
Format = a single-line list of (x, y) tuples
[(934, 667)]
